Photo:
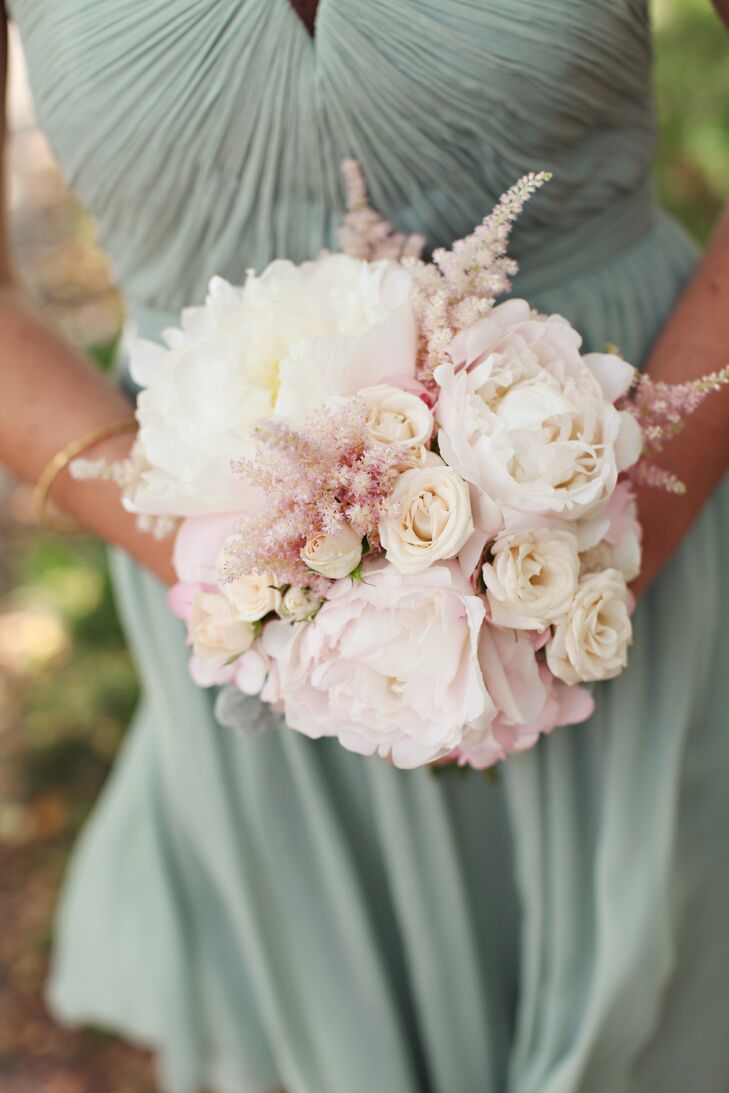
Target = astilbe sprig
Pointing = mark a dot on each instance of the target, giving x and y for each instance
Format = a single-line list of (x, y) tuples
[(463, 282), (364, 233), (316, 475), (661, 410), (128, 474)]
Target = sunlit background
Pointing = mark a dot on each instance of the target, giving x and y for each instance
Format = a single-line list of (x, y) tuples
[(67, 686)]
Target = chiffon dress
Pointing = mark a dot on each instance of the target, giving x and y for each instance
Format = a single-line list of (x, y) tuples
[(277, 912)]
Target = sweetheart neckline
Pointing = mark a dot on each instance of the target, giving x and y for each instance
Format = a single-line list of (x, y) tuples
[(307, 12)]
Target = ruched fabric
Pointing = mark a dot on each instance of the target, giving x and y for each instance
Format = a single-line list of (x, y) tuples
[(274, 911)]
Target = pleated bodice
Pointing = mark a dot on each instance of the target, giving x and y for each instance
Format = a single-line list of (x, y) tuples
[(206, 135)]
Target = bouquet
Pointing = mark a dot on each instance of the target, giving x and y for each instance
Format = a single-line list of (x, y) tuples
[(404, 513)]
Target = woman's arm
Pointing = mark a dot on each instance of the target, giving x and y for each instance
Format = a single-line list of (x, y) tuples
[(50, 394), (695, 341)]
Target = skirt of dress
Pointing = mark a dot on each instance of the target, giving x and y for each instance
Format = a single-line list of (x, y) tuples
[(275, 911)]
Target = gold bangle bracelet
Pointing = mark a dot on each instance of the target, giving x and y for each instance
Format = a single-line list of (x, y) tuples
[(59, 463)]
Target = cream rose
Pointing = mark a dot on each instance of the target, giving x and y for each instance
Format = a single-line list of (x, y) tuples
[(591, 642), (252, 595), (299, 604), (333, 556), (396, 417), (217, 636), (420, 457), (531, 578), (429, 518)]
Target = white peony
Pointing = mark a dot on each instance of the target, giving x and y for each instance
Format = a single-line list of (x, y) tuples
[(284, 343), (396, 416), (531, 578), (428, 518), (591, 642), (362, 671), (366, 332), (335, 555), (529, 420)]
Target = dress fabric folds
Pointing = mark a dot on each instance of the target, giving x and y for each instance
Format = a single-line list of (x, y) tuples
[(276, 912)]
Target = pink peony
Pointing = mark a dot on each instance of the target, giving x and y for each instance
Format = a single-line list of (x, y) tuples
[(529, 420), (561, 705), (389, 666)]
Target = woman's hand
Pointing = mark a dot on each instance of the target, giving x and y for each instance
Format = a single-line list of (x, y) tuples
[(694, 341)]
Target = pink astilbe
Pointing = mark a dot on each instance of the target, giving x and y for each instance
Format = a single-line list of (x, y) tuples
[(364, 233), (462, 283), (316, 475), (661, 410)]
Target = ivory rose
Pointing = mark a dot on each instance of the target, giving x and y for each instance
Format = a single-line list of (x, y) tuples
[(362, 671), (298, 604), (531, 578), (397, 416), (591, 642), (428, 518), (526, 418), (252, 595), (335, 555), (217, 636)]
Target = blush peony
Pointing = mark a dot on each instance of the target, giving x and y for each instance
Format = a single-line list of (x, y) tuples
[(389, 666), (529, 420)]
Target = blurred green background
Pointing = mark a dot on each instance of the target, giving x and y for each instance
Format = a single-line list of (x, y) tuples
[(67, 686)]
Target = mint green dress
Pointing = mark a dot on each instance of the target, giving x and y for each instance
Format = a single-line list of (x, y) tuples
[(274, 911)]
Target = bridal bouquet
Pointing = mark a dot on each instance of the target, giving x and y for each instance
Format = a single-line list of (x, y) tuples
[(404, 514)]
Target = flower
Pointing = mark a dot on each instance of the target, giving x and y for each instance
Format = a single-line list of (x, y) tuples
[(299, 604), (335, 555), (562, 706), (621, 546), (428, 518), (420, 457), (389, 666), (531, 578), (198, 544), (252, 595), (362, 330), (591, 642), (284, 342), (525, 417), (218, 636), (396, 416), (251, 670), (318, 476)]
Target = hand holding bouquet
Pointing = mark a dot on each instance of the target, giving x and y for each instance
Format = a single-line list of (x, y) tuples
[(404, 512)]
